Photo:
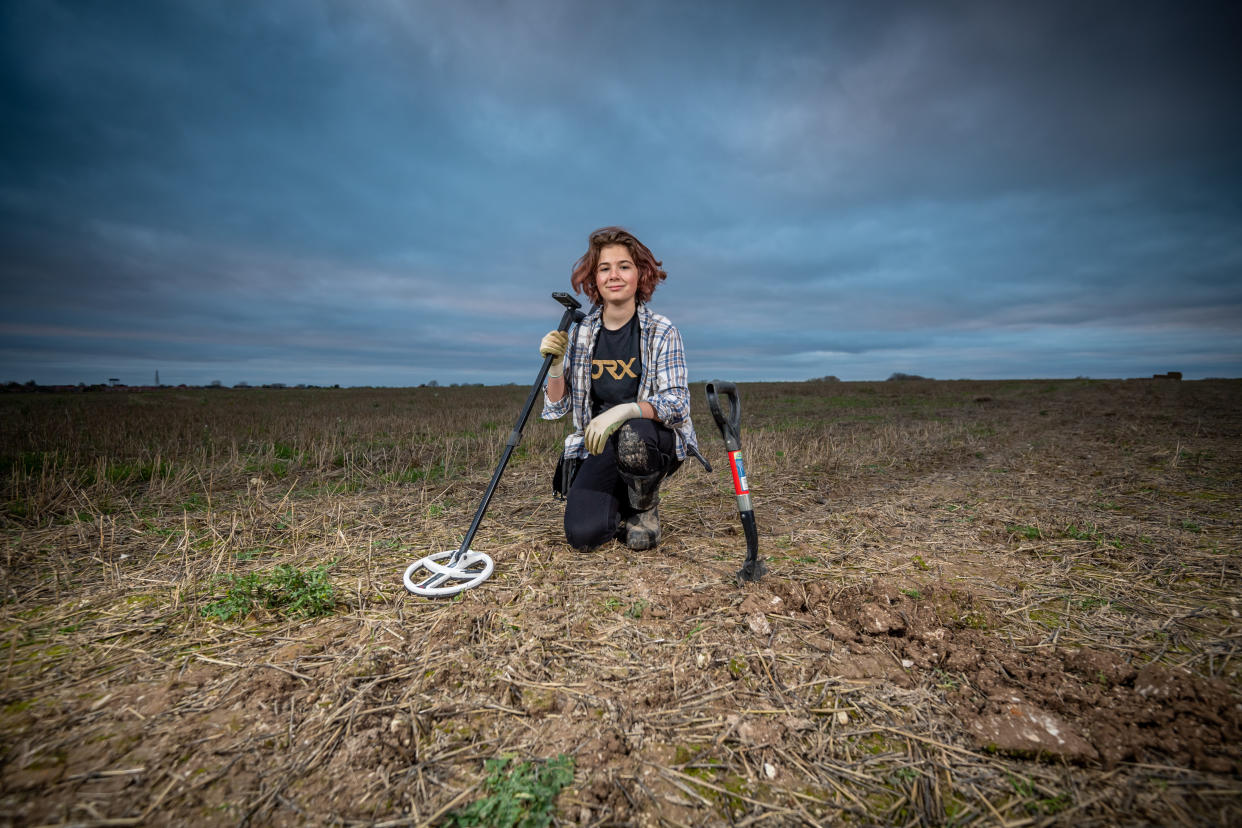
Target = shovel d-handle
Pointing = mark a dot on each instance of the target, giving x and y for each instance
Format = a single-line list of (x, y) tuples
[(731, 430), (730, 426)]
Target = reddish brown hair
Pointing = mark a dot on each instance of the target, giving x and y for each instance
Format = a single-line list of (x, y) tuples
[(649, 272)]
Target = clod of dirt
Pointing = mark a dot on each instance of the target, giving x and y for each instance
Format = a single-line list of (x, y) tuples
[(1025, 730), (841, 632), (761, 604), (1156, 681), (1097, 665), (877, 620), (759, 734)]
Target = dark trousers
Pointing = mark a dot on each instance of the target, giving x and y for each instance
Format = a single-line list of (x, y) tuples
[(597, 500)]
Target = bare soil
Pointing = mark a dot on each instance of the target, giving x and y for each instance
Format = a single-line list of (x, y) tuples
[(988, 603)]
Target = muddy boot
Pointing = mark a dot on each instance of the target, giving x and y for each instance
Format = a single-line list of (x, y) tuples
[(642, 529), (642, 490)]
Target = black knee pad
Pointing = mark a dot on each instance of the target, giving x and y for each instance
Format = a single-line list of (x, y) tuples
[(634, 454)]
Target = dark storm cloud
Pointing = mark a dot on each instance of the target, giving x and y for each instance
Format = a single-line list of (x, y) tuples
[(387, 191)]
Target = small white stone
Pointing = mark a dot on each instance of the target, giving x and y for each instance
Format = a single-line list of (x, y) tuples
[(769, 770), (843, 718), (758, 624), (907, 663), (703, 659)]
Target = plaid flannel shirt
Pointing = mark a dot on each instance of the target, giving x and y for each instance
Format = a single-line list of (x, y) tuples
[(663, 380)]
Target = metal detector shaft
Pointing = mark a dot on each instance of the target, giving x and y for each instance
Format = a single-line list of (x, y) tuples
[(571, 316), (731, 430)]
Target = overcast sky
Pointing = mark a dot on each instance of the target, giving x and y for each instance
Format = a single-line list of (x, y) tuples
[(386, 192)]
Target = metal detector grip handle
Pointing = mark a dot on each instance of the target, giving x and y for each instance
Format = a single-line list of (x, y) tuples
[(730, 426)]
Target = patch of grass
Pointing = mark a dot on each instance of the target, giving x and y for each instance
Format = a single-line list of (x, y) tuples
[(1028, 532), (1047, 618), (410, 474), (974, 620), (1022, 786), (292, 592), (194, 503), (637, 609), (919, 563), (875, 744), (1050, 805), (520, 794), (912, 593), (905, 774), (1090, 532)]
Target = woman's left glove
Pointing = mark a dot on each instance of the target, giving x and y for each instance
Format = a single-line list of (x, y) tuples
[(601, 428)]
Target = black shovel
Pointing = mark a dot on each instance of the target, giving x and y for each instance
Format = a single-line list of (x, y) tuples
[(731, 430)]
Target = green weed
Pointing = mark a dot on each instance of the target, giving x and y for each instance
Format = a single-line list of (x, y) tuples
[(520, 794), (288, 590), (1028, 532), (1090, 532)]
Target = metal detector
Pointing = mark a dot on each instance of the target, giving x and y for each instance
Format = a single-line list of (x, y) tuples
[(465, 567), (731, 430)]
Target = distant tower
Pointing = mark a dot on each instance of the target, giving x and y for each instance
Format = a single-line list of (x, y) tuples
[(157, 378)]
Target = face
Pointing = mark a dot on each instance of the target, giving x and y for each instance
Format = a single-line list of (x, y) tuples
[(616, 275)]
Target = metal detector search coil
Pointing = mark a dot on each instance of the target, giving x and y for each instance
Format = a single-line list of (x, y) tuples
[(466, 568), (470, 570)]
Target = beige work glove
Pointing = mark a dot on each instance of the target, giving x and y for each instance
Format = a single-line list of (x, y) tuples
[(601, 428), (555, 344)]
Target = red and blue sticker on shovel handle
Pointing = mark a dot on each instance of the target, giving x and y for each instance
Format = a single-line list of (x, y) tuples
[(740, 486)]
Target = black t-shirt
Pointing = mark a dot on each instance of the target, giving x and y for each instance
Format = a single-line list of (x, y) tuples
[(616, 366)]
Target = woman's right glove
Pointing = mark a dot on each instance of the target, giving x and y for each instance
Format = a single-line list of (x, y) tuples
[(555, 344)]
